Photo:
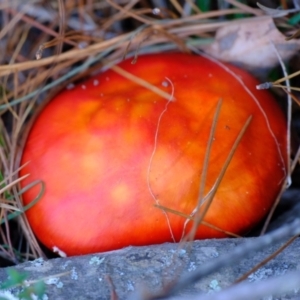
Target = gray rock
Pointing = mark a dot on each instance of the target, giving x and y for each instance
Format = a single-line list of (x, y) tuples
[(153, 267)]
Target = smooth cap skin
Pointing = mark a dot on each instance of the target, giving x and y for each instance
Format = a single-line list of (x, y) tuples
[(109, 150)]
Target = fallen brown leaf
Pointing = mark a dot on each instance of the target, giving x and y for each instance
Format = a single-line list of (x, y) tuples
[(248, 43)]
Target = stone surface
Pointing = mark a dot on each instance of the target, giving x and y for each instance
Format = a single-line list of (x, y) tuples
[(151, 267)]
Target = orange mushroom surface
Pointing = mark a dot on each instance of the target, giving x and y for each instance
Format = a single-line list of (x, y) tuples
[(123, 164)]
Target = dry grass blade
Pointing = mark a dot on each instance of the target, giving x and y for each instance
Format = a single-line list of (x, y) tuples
[(8, 186), (221, 175), (276, 13), (287, 181), (201, 196), (143, 83), (76, 55), (124, 12), (295, 161), (198, 214), (245, 8), (189, 217), (265, 261)]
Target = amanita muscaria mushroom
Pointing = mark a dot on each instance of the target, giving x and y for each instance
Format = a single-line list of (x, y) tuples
[(113, 153)]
